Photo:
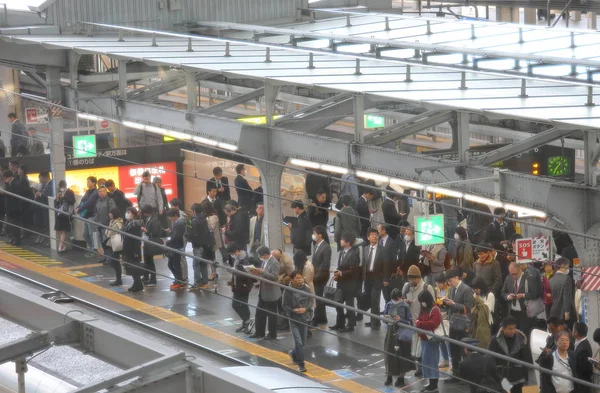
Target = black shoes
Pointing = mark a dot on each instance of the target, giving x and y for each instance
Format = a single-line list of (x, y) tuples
[(335, 327), (270, 337), (135, 289), (388, 381), (257, 336), (301, 368), (346, 329), (399, 382), (116, 283)]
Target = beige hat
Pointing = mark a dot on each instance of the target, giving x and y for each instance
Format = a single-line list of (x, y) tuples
[(413, 271)]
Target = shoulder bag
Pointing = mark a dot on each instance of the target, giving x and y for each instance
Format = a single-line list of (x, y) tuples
[(330, 289), (402, 334), (441, 330)]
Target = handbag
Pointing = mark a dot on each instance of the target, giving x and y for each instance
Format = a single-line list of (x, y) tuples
[(330, 289), (534, 306), (402, 334), (462, 322), (440, 331), (116, 242)]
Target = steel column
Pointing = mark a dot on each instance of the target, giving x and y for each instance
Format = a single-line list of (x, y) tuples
[(57, 150), (591, 152), (271, 91), (192, 90), (271, 182), (21, 369), (462, 136), (120, 137), (359, 118)]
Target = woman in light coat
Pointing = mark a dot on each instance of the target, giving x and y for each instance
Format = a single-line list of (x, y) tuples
[(114, 243), (213, 224)]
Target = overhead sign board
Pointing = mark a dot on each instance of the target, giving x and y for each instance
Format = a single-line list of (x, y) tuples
[(429, 230), (84, 146), (374, 121), (532, 249)]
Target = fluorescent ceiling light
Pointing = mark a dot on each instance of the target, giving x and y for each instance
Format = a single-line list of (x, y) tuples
[(372, 176), (131, 124), (86, 116), (407, 183), (485, 201), (305, 164), (445, 191), (228, 146), (204, 141), (179, 135), (334, 169), (525, 211)]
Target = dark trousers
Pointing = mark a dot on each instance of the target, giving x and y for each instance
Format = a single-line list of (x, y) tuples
[(174, 266), (137, 281), (456, 352), (115, 263), (150, 268), (14, 221), (320, 314), (348, 299), (523, 321), (371, 299), (240, 305), (282, 320), (517, 388), (386, 291), (266, 310)]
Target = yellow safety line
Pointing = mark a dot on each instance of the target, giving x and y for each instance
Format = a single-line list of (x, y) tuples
[(316, 372), (93, 265)]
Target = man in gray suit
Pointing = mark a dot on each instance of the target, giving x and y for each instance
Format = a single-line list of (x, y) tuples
[(257, 232), (268, 295), (321, 260), (459, 302), (561, 286)]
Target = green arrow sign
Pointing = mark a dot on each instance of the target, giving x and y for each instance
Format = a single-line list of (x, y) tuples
[(429, 230), (84, 146), (374, 121)]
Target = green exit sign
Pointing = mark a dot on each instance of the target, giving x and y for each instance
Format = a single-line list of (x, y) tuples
[(84, 146), (429, 230), (373, 121)]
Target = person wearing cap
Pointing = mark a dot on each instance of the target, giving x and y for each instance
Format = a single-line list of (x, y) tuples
[(410, 292), (479, 369), (512, 343), (488, 268)]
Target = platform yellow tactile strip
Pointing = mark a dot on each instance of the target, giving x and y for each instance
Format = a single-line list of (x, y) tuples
[(316, 372)]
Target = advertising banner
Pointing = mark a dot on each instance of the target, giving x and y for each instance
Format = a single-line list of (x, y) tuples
[(130, 176)]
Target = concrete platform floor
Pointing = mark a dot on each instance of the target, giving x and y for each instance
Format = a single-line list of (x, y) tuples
[(352, 362)]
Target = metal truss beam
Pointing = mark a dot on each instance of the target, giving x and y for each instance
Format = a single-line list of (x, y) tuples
[(233, 101), (40, 80), (525, 145), (402, 130), (172, 83), (531, 191), (26, 346), (314, 118)]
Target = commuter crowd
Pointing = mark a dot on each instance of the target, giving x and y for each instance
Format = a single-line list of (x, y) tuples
[(473, 292)]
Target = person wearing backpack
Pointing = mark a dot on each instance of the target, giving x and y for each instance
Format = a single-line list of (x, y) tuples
[(203, 242)]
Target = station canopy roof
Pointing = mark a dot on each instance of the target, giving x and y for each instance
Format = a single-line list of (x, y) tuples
[(494, 94)]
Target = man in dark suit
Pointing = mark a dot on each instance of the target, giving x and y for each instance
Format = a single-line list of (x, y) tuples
[(375, 270), (13, 207), (408, 252), (321, 261), (362, 208), (211, 198), (237, 229), (561, 287), (18, 139), (581, 366), (479, 369), (347, 277), (221, 183), (514, 293), (389, 245), (300, 229), (459, 302), (391, 214), (243, 189)]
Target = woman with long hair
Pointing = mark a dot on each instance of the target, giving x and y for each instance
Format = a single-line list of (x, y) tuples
[(483, 292), (114, 243), (429, 319), (464, 256), (65, 203), (483, 305)]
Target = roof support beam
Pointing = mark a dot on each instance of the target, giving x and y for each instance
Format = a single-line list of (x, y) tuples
[(359, 116), (527, 144), (462, 136), (412, 126), (233, 102), (166, 85), (38, 79)]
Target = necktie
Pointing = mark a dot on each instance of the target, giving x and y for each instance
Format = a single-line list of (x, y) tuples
[(371, 262), (381, 242)]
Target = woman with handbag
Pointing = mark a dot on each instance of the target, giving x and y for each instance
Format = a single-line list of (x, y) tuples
[(65, 203), (398, 341), (430, 318), (132, 249), (114, 244)]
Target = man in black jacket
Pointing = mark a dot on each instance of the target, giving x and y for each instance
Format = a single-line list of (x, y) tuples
[(392, 214), (479, 369), (581, 366), (118, 196), (241, 287), (347, 277), (13, 207), (202, 240), (301, 229), (512, 343), (318, 210), (362, 208), (389, 245), (243, 189), (18, 139), (500, 231), (321, 261), (375, 270), (221, 184), (177, 241)]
